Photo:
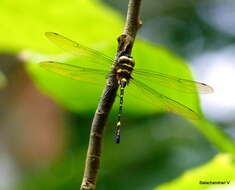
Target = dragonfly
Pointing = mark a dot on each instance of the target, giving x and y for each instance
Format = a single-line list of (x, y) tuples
[(125, 74)]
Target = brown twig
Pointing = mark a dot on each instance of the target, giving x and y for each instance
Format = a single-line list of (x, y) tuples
[(125, 43)]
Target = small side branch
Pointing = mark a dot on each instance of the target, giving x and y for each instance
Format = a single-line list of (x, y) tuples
[(125, 44)]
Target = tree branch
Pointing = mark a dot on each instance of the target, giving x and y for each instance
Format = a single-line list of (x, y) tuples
[(133, 21), (125, 44)]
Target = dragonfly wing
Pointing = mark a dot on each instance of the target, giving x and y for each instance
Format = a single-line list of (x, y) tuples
[(75, 72), (173, 82), (161, 101), (77, 49)]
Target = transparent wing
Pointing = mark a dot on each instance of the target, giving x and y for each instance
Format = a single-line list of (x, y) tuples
[(173, 82), (75, 72), (159, 100), (77, 49)]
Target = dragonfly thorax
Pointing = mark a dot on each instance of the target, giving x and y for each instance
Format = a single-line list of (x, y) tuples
[(125, 66)]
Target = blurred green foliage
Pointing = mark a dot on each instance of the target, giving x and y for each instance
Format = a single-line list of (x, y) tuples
[(3, 80), (97, 26), (23, 23)]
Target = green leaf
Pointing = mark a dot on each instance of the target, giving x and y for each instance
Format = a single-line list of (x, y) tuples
[(220, 169), (90, 23)]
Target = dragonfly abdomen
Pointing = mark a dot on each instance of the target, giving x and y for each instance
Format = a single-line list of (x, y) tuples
[(124, 69)]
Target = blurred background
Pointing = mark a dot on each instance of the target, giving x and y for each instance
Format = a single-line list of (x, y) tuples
[(44, 134)]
